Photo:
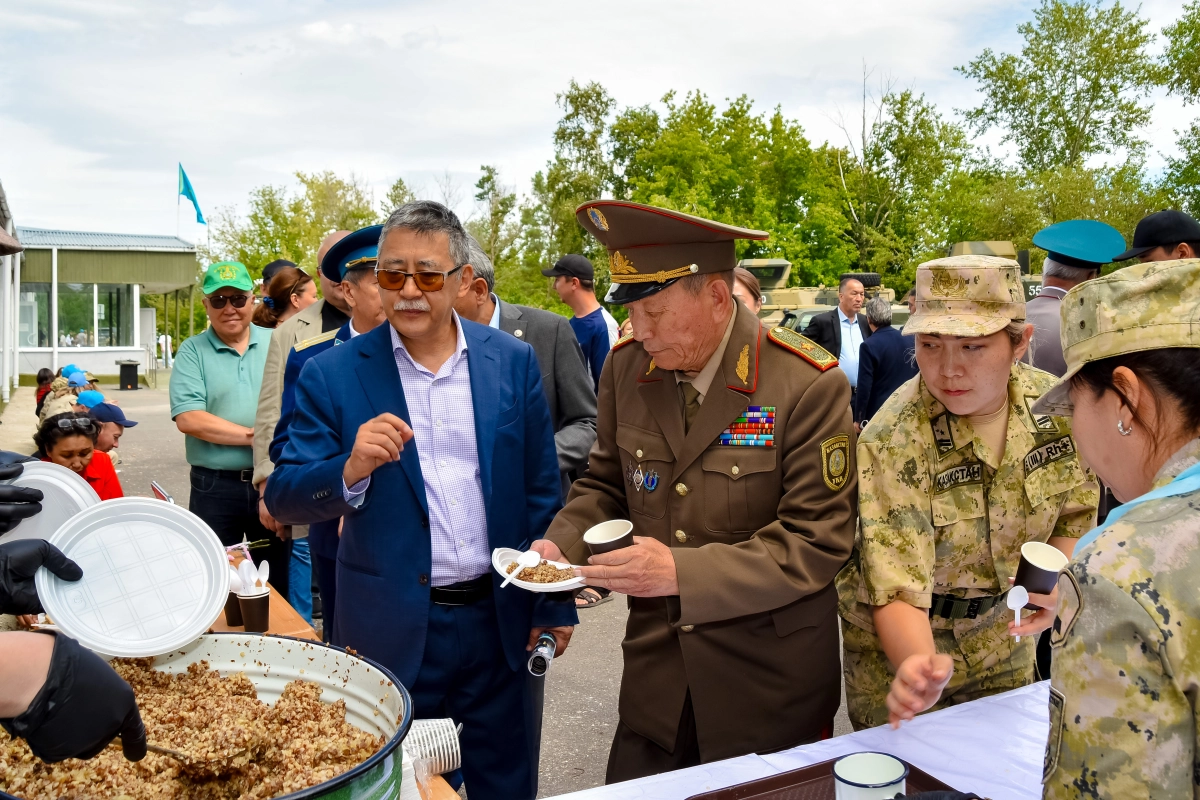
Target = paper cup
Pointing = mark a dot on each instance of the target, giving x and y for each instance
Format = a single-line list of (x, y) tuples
[(256, 612), (869, 776), (609, 536), (437, 741), (1038, 569), (233, 611)]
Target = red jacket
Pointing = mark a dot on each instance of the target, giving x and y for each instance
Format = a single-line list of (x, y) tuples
[(101, 476)]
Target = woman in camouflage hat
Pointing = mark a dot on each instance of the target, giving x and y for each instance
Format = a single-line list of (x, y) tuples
[(1126, 644), (955, 474)]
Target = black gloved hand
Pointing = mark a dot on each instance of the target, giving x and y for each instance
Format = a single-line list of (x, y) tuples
[(19, 562), (82, 707), (16, 502)]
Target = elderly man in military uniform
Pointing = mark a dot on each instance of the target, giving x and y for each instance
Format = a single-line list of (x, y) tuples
[(731, 448)]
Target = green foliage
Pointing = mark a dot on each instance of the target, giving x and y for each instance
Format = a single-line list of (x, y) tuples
[(1182, 56), (397, 195), (287, 223), (1182, 178), (1075, 90)]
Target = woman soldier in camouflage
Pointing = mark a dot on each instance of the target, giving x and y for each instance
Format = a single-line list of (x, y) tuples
[(1126, 643), (955, 474)]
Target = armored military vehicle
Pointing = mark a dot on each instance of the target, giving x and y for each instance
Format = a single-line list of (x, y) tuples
[(793, 307)]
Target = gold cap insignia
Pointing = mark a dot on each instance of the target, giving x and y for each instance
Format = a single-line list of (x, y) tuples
[(597, 218), (620, 265), (835, 461), (226, 272), (743, 365)]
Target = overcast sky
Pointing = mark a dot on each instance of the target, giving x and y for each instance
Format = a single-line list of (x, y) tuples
[(100, 98)]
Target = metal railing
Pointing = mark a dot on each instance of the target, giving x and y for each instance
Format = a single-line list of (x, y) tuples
[(151, 365)]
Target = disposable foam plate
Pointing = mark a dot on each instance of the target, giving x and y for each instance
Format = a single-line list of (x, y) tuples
[(64, 494), (155, 577), (503, 556)]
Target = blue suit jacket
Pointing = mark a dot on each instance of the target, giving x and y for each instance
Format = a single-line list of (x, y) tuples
[(322, 536), (885, 363), (385, 556)]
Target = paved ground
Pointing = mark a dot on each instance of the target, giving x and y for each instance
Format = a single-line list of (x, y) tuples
[(581, 693)]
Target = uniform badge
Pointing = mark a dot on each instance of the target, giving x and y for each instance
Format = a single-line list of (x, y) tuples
[(946, 285), (835, 461), (754, 428), (652, 366), (651, 481), (1042, 422), (941, 435), (743, 365), (1070, 603), (597, 218), (1048, 453), (226, 272)]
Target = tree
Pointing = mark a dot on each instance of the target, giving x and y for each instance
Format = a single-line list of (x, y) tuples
[(1182, 56), (283, 223), (1077, 88), (397, 195), (1182, 178), (493, 228)]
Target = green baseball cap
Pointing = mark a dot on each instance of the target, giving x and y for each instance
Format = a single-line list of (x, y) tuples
[(1150, 306), (227, 273)]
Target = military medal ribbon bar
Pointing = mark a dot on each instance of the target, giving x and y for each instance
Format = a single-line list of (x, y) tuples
[(754, 428)]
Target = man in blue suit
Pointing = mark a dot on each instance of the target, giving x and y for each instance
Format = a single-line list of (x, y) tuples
[(885, 362), (431, 437), (350, 263)]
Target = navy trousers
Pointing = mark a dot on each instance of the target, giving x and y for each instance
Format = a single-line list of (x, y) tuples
[(326, 571), (465, 676)]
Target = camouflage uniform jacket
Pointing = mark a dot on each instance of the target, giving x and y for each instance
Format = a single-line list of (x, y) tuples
[(941, 514), (1126, 673)]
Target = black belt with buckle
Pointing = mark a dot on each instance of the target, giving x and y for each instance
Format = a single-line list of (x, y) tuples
[(463, 593), (243, 475), (950, 607)]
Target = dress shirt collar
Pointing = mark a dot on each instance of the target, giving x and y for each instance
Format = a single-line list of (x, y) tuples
[(460, 347), (703, 379), (494, 322), (1052, 291), (842, 316), (353, 332)]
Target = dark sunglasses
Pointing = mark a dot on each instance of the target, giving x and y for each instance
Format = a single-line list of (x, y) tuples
[(394, 280), (84, 425), (218, 301)]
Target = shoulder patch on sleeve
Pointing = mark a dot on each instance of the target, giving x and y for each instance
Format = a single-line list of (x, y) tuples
[(324, 337), (806, 348), (624, 340)]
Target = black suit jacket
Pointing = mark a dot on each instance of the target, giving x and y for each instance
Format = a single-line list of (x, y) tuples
[(565, 381), (885, 362), (826, 330)]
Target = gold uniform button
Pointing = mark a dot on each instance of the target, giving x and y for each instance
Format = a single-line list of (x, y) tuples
[(681, 490), (639, 453), (735, 469), (688, 628), (680, 536)]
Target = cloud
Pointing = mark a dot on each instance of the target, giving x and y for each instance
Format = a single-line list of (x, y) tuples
[(98, 101)]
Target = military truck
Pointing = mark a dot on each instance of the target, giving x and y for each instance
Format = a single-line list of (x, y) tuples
[(793, 307), (1032, 284)]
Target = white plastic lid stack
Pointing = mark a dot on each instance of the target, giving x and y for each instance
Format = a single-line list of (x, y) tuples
[(155, 577), (64, 494)]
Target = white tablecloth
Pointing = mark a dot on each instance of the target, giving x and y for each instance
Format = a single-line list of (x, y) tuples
[(993, 747)]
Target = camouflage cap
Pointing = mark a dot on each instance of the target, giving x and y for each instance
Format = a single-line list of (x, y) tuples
[(1142, 307), (967, 296)]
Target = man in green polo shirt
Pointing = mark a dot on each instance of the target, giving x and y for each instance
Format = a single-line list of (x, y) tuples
[(215, 385)]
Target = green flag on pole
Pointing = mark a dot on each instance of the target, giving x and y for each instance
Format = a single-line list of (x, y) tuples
[(185, 189)]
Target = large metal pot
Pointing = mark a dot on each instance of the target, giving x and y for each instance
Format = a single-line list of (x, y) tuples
[(375, 700)]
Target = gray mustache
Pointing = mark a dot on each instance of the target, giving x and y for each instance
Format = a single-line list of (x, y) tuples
[(419, 304)]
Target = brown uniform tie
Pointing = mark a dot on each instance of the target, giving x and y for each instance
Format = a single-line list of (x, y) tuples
[(691, 404)]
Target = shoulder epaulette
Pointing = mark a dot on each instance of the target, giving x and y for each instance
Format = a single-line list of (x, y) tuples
[(324, 337), (806, 348), (624, 340)]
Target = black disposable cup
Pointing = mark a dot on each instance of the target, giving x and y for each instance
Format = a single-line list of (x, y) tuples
[(609, 536), (256, 612), (233, 611), (1038, 569)]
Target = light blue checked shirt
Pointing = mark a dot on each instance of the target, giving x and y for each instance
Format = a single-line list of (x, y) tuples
[(443, 422), (852, 339)]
